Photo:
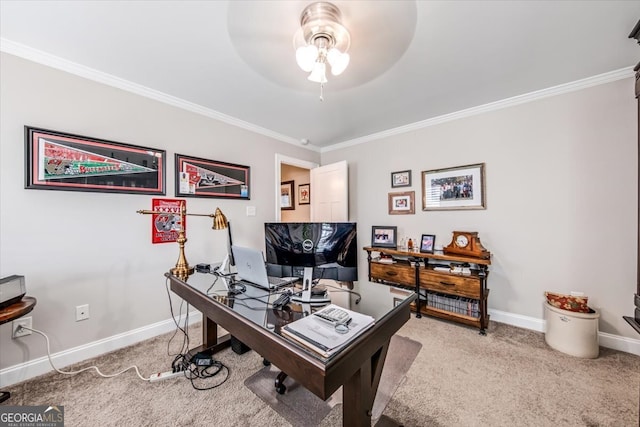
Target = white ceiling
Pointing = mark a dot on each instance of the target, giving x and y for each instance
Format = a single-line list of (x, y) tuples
[(411, 61)]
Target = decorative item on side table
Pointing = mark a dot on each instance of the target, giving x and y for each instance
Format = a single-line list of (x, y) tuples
[(402, 203), (454, 188), (183, 270), (427, 243), (384, 236), (287, 197), (196, 177), (467, 243), (304, 194), (62, 161), (401, 179)]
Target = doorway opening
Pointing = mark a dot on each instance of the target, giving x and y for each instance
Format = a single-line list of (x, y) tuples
[(296, 170)]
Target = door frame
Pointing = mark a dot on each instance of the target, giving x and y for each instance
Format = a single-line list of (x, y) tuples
[(280, 160)]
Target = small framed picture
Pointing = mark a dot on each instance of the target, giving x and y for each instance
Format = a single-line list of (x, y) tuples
[(401, 179), (304, 194), (402, 203), (287, 198), (427, 243), (384, 237)]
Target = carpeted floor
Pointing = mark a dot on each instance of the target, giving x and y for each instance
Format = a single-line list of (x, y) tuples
[(301, 407), (508, 378)]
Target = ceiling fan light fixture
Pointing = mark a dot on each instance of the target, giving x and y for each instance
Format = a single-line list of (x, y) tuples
[(338, 61), (321, 39), (306, 57), (319, 73)]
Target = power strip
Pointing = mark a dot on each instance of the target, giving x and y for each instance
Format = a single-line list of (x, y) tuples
[(165, 375)]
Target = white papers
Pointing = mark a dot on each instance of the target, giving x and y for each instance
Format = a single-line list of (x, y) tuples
[(321, 336)]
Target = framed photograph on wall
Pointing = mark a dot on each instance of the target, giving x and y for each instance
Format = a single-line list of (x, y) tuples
[(304, 194), (63, 161), (402, 203), (287, 197), (401, 179), (427, 243), (455, 188), (197, 177), (384, 236)]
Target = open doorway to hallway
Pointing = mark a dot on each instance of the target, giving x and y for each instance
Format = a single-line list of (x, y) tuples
[(296, 170), (300, 200)]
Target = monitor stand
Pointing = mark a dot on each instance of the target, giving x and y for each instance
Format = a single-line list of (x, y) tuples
[(306, 296)]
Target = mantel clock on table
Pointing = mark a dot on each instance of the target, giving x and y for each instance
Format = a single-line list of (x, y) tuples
[(452, 285), (466, 243)]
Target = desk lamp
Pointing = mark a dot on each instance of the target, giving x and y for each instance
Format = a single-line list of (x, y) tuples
[(183, 270)]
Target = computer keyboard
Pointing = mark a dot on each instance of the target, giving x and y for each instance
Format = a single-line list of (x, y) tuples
[(280, 281)]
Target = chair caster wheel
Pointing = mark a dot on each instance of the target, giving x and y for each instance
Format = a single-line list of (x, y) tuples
[(265, 362), (279, 383)]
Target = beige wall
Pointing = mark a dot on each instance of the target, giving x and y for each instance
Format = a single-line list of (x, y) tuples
[(561, 192), (561, 202), (92, 248)]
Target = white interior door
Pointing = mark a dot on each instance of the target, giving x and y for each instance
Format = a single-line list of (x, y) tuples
[(330, 193)]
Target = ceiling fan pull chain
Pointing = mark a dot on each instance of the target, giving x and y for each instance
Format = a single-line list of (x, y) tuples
[(321, 92)]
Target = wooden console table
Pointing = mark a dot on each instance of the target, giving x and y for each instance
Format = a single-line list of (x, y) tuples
[(457, 297)]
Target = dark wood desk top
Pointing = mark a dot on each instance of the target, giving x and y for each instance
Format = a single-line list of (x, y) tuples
[(322, 376), (17, 310)]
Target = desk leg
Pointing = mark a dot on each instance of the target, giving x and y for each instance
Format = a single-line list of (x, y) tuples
[(359, 391), (210, 339)]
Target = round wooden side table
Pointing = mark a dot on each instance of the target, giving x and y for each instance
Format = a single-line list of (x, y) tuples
[(13, 312)]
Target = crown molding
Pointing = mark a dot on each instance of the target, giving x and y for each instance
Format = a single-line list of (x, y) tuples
[(56, 62), (599, 79)]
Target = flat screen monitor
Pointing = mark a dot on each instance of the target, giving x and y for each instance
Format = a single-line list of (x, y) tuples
[(330, 248)]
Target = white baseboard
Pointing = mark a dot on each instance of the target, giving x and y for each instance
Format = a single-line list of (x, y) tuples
[(615, 342), (33, 368)]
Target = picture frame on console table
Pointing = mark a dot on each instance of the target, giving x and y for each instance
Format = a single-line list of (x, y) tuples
[(64, 161), (198, 177), (427, 243), (384, 236), (457, 188)]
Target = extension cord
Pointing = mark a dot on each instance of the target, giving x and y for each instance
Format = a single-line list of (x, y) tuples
[(165, 375)]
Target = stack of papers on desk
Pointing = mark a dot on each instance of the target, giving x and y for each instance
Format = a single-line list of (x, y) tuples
[(322, 337)]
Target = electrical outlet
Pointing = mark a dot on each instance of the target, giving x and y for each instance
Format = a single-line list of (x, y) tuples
[(82, 312), (25, 321)]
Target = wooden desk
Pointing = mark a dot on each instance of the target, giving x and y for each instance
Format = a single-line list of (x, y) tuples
[(357, 367), (13, 312)]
